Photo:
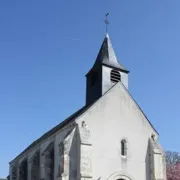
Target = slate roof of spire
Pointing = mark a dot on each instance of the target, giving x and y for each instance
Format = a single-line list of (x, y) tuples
[(107, 56)]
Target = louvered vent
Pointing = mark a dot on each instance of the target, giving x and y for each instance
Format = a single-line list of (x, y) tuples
[(115, 76)]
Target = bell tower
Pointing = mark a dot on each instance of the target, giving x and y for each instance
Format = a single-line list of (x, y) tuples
[(105, 73)]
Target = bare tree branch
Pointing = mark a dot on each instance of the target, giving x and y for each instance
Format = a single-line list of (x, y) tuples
[(173, 165)]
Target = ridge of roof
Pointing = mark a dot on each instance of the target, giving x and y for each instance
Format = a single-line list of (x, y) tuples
[(54, 130), (60, 125)]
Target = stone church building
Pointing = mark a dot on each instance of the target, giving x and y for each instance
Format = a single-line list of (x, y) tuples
[(110, 138)]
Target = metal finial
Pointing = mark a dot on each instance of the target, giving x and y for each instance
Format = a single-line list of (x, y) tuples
[(106, 21)]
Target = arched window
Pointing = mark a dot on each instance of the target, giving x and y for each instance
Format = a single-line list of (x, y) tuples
[(115, 76), (123, 147)]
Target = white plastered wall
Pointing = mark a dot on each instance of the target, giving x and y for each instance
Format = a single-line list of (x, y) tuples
[(114, 117)]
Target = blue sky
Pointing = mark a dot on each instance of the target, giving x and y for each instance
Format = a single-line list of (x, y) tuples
[(47, 47)]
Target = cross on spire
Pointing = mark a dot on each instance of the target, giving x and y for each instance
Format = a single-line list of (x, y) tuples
[(106, 21)]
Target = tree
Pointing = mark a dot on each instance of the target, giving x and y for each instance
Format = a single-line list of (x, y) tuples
[(173, 165)]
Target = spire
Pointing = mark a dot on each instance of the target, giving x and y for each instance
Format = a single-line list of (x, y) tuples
[(105, 72), (107, 56)]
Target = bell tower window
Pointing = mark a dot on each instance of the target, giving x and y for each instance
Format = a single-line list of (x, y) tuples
[(115, 76)]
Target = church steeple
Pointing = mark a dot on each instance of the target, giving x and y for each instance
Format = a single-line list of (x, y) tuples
[(107, 55), (105, 72)]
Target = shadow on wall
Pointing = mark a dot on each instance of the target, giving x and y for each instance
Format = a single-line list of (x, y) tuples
[(74, 167), (147, 162)]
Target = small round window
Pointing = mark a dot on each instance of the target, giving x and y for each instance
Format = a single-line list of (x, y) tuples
[(115, 76)]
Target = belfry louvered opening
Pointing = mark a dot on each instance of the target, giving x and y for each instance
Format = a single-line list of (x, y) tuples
[(115, 76)]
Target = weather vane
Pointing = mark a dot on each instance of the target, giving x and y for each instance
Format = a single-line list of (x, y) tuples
[(106, 21)]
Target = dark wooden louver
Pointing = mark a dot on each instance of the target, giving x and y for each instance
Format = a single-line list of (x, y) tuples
[(115, 76)]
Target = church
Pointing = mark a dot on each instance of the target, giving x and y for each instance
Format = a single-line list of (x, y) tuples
[(110, 138)]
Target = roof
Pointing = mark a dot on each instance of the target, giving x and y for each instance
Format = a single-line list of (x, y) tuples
[(55, 129), (107, 56), (76, 115)]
